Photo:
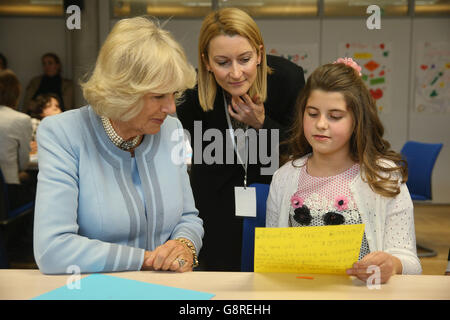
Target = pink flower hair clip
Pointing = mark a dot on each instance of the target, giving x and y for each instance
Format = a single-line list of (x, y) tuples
[(349, 62)]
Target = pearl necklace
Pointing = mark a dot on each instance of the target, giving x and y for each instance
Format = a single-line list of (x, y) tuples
[(118, 140)]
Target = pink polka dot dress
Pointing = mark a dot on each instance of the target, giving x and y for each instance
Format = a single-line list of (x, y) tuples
[(321, 201)]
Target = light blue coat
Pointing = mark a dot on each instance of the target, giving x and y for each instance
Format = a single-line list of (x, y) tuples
[(89, 213)]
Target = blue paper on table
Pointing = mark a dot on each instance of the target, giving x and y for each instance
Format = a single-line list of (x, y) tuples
[(105, 287)]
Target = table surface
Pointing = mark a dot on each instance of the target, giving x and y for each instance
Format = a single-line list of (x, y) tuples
[(27, 284)]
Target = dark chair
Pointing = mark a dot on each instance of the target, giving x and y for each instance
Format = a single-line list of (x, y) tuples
[(421, 158), (248, 232), (8, 216)]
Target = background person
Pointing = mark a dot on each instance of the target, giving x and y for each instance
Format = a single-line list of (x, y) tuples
[(44, 105), (342, 171), (110, 195), (259, 93), (15, 136)]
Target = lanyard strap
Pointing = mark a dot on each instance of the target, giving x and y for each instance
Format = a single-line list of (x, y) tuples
[(244, 165)]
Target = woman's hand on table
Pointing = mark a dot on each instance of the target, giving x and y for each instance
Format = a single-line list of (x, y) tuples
[(169, 256), (247, 110), (388, 264)]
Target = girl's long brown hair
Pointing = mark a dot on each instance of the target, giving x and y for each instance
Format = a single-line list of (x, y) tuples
[(367, 145)]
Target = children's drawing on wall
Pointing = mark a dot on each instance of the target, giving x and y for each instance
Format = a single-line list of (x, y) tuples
[(433, 77), (376, 62), (304, 55)]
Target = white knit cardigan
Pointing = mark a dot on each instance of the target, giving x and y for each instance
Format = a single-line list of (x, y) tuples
[(389, 222)]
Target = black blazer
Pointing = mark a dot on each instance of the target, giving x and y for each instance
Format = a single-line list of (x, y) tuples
[(213, 184)]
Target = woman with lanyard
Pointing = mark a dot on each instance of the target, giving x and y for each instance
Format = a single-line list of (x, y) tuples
[(242, 105)]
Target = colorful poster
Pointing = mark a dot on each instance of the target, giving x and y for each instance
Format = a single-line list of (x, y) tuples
[(375, 60), (304, 55), (432, 70)]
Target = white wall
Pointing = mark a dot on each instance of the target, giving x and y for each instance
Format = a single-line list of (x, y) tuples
[(431, 127)]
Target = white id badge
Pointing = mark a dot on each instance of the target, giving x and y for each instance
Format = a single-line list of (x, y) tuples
[(245, 200)]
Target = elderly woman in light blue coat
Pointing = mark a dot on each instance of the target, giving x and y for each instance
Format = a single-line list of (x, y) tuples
[(112, 194)]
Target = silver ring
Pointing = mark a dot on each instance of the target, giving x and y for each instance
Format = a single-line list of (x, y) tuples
[(181, 262)]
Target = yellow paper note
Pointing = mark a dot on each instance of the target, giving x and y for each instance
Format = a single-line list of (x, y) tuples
[(328, 249)]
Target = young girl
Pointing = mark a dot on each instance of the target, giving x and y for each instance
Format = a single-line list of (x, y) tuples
[(342, 171)]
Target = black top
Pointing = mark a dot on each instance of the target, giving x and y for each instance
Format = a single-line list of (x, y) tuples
[(213, 183)]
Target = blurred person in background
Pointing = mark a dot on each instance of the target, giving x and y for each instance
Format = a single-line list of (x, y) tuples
[(50, 82), (15, 137), (45, 105)]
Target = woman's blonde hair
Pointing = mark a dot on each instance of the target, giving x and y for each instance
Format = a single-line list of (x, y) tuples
[(367, 146), (230, 22), (137, 57)]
